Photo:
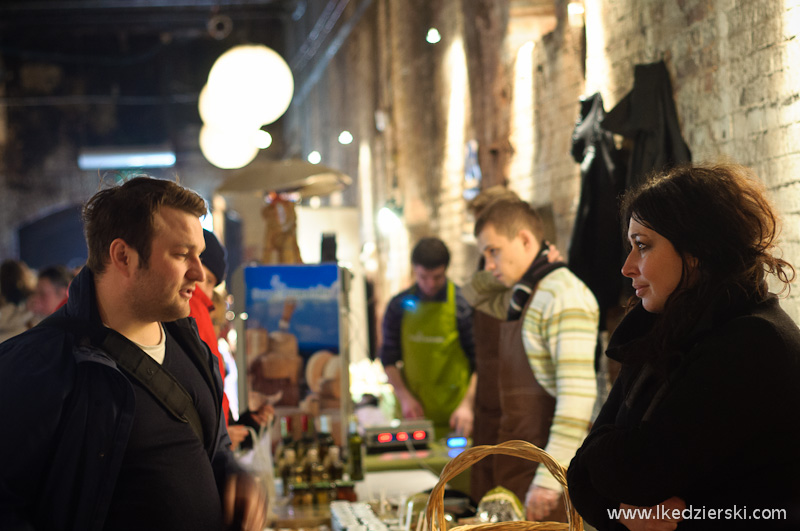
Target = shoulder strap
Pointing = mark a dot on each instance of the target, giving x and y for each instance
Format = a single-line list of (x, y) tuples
[(136, 363), (155, 378)]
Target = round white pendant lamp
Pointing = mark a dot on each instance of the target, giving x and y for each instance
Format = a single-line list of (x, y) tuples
[(227, 148), (248, 86)]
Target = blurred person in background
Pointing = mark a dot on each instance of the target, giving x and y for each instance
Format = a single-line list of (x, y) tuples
[(545, 352), (215, 266), (16, 286), (52, 288), (428, 350)]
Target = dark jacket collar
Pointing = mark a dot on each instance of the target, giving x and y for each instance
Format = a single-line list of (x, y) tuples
[(82, 302), (629, 342)]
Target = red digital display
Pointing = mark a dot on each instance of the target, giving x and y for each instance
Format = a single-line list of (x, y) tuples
[(402, 436), (420, 435), (384, 437)]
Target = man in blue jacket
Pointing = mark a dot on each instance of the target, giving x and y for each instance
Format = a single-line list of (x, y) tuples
[(114, 400)]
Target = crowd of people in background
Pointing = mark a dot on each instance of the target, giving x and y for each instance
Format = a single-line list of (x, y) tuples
[(28, 296)]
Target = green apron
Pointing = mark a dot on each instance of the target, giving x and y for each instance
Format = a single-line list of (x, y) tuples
[(435, 368)]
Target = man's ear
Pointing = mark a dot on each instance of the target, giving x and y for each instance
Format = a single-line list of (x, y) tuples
[(527, 238), (123, 257), (530, 242)]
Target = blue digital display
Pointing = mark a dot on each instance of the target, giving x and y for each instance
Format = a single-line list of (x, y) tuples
[(457, 442)]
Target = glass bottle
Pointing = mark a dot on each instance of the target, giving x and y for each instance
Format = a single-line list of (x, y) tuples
[(334, 464), (355, 450), (314, 471), (286, 469), (324, 437)]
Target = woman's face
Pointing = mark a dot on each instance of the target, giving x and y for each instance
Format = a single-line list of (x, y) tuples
[(654, 266)]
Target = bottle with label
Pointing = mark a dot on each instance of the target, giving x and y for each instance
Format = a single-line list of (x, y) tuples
[(286, 469), (286, 432), (309, 437), (297, 472), (324, 437), (355, 451), (334, 464), (314, 471)]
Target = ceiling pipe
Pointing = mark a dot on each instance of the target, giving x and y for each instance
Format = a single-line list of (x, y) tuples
[(319, 67)]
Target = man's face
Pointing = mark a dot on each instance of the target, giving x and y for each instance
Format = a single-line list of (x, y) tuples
[(47, 297), (162, 290), (507, 259), (430, 281)]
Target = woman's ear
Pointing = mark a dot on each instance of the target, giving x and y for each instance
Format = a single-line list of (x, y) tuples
[(692, 264)]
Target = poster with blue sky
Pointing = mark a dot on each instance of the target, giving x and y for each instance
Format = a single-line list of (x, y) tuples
[(307, 294)]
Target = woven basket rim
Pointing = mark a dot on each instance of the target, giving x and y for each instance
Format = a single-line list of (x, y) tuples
[(434, 511)]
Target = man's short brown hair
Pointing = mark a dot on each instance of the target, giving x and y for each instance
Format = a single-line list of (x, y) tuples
[(488, 196), (127, 212), (510, 217)]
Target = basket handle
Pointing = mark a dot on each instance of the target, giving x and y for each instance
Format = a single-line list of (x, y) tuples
[(434, 512)]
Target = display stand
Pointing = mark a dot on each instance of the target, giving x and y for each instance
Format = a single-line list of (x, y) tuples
[(292, 328)]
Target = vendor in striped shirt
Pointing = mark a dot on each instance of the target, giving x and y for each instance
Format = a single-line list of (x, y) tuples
[(546, 354)]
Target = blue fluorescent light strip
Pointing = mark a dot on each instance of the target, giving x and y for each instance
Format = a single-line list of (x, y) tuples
[(153, 159)]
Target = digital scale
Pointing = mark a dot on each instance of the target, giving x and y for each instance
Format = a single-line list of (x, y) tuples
[(404, 434), (399, 435)]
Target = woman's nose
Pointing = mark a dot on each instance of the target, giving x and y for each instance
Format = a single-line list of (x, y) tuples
[(629, 268)]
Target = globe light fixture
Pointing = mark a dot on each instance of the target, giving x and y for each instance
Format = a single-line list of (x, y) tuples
[(254, 80), (227, 148), (248, 86)]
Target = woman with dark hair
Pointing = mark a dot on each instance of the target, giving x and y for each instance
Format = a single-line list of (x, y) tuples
[(17, 283), (700, 430)]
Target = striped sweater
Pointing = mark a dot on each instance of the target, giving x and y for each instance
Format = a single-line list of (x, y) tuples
[(560, 336)]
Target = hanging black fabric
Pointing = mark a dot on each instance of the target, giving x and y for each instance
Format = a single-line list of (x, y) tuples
[(595, 253), (647, 115)]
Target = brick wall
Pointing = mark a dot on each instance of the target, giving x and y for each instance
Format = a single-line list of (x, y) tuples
[(548, 177), (736, 81)]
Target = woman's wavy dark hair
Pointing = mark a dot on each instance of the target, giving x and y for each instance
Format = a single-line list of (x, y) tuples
[(720, 215)]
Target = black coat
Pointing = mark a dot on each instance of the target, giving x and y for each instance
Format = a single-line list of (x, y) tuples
[(595, 253), (647, 116), (69, 412), (721, 434)]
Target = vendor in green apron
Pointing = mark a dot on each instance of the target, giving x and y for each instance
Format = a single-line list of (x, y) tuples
[(428, 350)]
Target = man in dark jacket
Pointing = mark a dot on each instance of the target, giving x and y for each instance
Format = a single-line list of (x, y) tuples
[(101, 442)]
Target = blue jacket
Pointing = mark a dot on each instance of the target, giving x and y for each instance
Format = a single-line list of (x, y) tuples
[(69, 412)]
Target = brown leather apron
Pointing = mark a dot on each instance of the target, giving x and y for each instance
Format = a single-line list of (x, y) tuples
[(527, 413), (487, 399)]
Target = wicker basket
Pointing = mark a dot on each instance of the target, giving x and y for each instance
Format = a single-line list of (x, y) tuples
[(434, 513)]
